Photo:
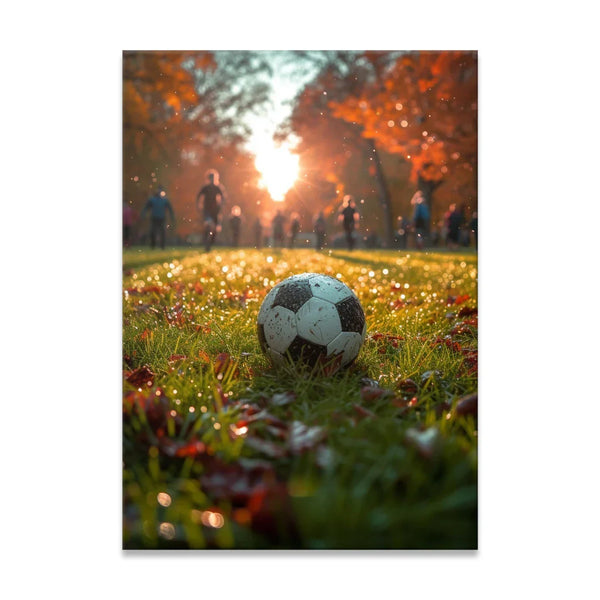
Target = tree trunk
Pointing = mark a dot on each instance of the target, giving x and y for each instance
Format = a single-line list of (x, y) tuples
[(384, 195)]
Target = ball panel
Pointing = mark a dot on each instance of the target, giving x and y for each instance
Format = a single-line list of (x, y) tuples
[(329, 288), (276, 357), (292, 294), (279, 328), (305, 351), (351, 315), (318, 321), (266, 305), (347, 344)]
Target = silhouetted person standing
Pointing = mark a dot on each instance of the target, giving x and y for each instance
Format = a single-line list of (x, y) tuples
[(420, 218), (349, 217), (235, 223), (128, 218), (320, 230), (294, 229), (278, 234), (454, 220), (257, 230), (210, 200), (158, 206), (473, 226)]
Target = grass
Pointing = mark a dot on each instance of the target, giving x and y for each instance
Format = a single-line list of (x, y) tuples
[(222, 450)]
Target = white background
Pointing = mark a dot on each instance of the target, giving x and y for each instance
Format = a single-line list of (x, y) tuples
[(61, 267)]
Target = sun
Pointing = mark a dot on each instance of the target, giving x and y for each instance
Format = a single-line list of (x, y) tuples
[(278, 168)]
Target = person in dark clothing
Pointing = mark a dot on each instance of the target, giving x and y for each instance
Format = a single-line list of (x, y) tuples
[(235, 223), (320, 229), (454, 221), (294, 229), (210, 200), (158, 205), (473, 226), (278, 234), (349, 217), (257, 233), (421, 218), (128, 219)]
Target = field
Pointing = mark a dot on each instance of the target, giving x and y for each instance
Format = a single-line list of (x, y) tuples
[(222, 450)]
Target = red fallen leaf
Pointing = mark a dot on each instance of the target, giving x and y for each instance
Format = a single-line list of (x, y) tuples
[(397, 304), (467, 405), (142, 376), (203, 357), (303, 438), (369, 393), (192, 448), (155, 407), (460, 329), (174, 358), (198, 289), (407, 386), (147, 289), (236, 482), (144, 335), (175, 315), (362, 411), (457, 299), (224, 362), (272, 512), (466, 311)]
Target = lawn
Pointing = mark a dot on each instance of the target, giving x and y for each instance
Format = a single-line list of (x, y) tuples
[(221, 450)]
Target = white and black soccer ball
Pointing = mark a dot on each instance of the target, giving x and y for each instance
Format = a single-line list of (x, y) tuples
[(311, 319)]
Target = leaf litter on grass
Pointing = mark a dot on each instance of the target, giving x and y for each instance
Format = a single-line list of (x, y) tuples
[(262, 458)]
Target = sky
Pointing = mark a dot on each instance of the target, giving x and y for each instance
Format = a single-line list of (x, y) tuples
[(278, 165)]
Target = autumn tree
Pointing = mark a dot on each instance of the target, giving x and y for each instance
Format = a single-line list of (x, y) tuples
[(183, 113), (333, 150), (423, 106)]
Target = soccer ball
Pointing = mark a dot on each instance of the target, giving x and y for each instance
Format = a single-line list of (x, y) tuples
[(311, 319)]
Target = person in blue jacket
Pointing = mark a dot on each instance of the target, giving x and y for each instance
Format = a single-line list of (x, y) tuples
[(158, 205)]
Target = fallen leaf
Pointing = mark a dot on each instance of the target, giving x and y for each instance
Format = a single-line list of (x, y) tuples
[(467, 405), (142, 376)]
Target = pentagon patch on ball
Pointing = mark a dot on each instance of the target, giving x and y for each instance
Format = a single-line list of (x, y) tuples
[(311, 319)]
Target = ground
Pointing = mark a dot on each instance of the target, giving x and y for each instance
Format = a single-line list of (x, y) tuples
[(221, 449)]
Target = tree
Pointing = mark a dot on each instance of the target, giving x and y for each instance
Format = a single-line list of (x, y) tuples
[(183, 113), (423, 106)]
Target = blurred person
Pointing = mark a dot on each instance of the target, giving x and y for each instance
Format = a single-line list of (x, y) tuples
[(278, 233), (294, 228), (128, 219), (473, 227), (455, 219), (258, 232), (235, 223), (320, 229), (420, 218), (158, 205), (349, 219), (209, 201)]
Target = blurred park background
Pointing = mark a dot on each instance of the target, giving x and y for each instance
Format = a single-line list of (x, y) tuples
[(296, 131)]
